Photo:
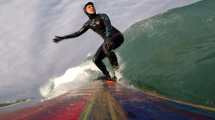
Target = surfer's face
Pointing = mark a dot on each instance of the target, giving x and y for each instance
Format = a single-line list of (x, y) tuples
[(90, 9)]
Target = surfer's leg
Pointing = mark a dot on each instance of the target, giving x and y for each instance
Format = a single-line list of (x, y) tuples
[(113, 60), (116, 42), (99, 56)]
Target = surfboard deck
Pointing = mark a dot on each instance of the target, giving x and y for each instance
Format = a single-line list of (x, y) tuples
[(108, 100)]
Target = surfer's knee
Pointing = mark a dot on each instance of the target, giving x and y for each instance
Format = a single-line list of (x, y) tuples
[(96, 60)]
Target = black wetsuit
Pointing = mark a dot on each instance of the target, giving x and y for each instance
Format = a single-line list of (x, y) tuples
[(113, 38)]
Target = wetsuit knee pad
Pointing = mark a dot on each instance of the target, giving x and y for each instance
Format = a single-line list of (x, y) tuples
[(96, 61)]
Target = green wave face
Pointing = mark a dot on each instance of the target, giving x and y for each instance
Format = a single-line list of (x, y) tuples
[(174, 53)]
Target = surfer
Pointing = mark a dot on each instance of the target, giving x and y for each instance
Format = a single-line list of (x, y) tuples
[(113, 38)]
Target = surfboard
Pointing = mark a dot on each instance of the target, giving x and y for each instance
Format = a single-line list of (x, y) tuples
[(108, 100)]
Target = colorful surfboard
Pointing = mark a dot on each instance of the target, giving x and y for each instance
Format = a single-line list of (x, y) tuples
[(108, 100)]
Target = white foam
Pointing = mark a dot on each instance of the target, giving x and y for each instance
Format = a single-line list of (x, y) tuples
[(72, 79), (76, 77)]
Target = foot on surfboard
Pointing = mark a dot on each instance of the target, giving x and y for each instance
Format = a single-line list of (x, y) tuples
[(114, 79), (115, 67), (107, 78)]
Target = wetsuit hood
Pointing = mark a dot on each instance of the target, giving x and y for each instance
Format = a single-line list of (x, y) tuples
[(91, 16)]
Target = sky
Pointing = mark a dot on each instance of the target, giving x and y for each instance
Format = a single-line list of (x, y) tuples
[(29, 58)]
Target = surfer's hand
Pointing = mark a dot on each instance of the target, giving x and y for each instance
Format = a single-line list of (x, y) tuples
[(58, 39)]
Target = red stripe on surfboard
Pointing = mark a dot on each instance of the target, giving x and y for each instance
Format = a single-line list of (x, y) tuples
[(59, 109), (72, 112)]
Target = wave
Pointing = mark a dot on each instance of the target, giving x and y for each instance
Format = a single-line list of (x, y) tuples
[(174, 54), (73, 79)]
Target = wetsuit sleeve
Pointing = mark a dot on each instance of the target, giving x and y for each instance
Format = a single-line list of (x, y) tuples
[(83, 29), (108, 26)]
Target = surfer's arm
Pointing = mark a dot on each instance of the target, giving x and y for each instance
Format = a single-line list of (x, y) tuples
[(108, 26), (83, 29)]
